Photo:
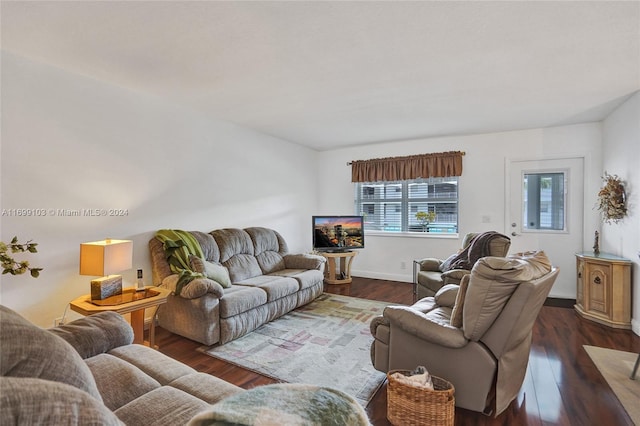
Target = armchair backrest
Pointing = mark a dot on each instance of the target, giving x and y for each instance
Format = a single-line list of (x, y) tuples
[(493, 282), (515, 322), (498, 246)]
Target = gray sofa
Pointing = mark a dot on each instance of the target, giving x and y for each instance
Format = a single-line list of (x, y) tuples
[(265, 282), (89, 373)]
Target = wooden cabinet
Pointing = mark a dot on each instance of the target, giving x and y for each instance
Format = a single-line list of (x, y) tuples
[(603, 292)]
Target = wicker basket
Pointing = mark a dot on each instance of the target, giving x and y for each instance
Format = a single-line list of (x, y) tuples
[(411, 405)]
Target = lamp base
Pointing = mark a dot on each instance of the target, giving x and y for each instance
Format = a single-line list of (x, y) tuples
[(106, 287)]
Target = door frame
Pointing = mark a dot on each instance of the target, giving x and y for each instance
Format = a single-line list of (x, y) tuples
[(586, 188)]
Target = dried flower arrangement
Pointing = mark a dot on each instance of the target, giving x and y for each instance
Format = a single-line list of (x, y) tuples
[(611, 199)]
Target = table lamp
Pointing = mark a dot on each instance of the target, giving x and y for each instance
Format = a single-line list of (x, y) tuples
[(104, 259)]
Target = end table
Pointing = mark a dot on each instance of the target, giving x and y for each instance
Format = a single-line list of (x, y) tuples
[(346, 257), (130, 301)]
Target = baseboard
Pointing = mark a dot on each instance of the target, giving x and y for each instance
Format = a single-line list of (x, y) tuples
[(557, 302), (408, 278), (635, 326)]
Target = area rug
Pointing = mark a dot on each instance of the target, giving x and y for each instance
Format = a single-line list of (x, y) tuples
[(325, 343), (616, 367)]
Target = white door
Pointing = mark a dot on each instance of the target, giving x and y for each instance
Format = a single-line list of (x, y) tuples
[(545, 203)]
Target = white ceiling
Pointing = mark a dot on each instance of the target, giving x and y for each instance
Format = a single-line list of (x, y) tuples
[(332, 74)]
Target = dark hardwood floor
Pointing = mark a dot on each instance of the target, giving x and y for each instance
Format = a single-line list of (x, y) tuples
[(562, 385)]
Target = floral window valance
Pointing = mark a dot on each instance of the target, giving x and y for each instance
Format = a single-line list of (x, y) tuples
[(440, 164)]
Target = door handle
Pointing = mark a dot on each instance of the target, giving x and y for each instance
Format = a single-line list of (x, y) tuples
[(513, 234)]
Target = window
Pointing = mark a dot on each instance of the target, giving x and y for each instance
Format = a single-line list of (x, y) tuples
[(392, 206), (544, 201)]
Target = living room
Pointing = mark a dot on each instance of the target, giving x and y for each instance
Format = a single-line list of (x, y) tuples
[(85, 126)]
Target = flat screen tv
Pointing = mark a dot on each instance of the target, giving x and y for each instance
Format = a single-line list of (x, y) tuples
[(338, 233)]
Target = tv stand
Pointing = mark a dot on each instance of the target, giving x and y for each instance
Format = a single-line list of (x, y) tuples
[(343, 276)]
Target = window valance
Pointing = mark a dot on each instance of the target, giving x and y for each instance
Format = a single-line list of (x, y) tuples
[(440, 164)]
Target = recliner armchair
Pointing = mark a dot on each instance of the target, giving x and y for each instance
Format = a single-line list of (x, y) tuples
[(476, 335), (431, 276)]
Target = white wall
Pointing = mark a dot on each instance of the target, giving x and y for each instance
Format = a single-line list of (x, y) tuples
[(482, 191), (621, 153), (70, 142)]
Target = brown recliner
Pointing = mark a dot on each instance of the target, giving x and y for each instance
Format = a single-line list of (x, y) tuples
[(476, 335), (430, 276)]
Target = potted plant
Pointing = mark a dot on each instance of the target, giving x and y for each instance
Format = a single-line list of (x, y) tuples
[(425, 218), (12, 266)]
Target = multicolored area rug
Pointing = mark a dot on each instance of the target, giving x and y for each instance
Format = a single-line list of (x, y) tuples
[(325, 343)]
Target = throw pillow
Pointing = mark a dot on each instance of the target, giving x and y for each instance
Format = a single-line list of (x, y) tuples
[(456, 312), (213, 271)]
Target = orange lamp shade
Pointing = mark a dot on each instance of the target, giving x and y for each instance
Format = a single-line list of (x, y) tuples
[(100, 258)]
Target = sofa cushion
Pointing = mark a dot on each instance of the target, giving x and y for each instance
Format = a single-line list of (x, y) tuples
[(152, 363), (211, 270), (305, 278), (275, 286), (205, 386), (269, 248), (447, 295), (30, 401), (29, 351), (239, 299), (118, 381), (208, 245), (458, 307), (237, 253), (163, 406), (242, 266), (96, 334), (433, 326)]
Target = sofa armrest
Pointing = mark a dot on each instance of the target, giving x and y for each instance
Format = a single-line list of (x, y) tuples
[(377, 321), (424, 327), (430, 264), (198, 287), (447, 295), (454, 276), (96, 334), (304, 261), (201, 286)]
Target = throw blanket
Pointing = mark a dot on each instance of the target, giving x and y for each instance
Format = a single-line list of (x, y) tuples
[(477, 248), (284, 404), (178, 246)]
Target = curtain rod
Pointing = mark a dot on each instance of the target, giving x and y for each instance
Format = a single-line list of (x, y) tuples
[(452, 152)]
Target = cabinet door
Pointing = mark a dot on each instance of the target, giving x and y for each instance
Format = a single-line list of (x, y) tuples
[(599, 291)]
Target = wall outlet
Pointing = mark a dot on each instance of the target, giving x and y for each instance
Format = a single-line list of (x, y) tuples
[(58, 321), (403, 265)]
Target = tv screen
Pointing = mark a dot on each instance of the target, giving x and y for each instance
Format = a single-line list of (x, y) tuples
[(338, 233)]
